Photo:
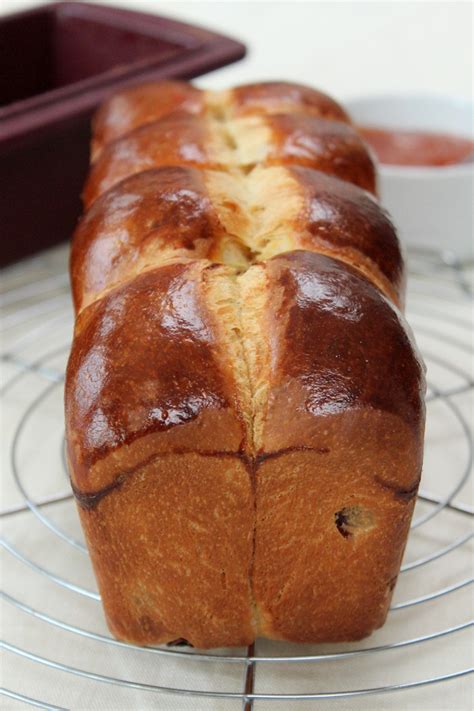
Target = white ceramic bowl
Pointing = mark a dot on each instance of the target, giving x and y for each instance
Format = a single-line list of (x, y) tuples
[(432, 207)]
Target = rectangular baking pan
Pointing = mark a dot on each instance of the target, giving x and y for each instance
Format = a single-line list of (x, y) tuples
[(58, 63)]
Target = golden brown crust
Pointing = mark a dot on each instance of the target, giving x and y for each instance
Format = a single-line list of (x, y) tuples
[(244, 404), (328, 146), (321, 469), (151, 214), (319, 574), (143, 362), (183, 139), (280, 96), (176, 140), (338, 215), (174, 212), (336, 339), (176, 124), (146, 103), (172, 550), (330, 360), (140, 105)]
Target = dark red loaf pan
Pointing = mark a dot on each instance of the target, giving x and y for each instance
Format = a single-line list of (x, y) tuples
[(57, 64)]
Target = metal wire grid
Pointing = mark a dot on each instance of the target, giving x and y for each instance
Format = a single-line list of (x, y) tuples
[(45, 302)]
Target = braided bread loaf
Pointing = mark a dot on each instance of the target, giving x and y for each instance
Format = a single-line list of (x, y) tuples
[(244, 403)]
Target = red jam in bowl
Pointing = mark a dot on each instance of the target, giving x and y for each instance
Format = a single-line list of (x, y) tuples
[(394, 147)]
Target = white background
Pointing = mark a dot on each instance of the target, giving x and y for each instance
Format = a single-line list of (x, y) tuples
[(345, 48)]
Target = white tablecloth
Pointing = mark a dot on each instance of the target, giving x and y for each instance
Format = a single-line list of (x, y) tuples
[(36, 327), (346, 49)]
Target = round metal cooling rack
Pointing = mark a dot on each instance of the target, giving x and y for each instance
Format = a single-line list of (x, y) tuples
[(438, 286)]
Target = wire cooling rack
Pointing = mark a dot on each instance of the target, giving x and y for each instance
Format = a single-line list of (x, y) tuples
[(59, 651)]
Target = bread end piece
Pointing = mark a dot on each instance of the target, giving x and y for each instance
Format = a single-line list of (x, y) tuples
[(339, 455)]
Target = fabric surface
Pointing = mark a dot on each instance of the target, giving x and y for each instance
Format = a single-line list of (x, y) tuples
[(36, 330)]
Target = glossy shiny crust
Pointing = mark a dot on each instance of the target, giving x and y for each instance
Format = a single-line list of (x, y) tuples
[(186, 140), (325, 461), (153, 428), (140, 105), (150, 213), (143, 361), (244, 433), (338, 215), (279, 96), (329, 146), (335, 341), (146, 103), (177, 140), (169, 212)]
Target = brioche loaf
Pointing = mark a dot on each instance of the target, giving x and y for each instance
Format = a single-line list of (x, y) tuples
[(244, 400)]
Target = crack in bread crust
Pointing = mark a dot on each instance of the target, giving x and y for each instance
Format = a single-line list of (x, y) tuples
[(236, 300)]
